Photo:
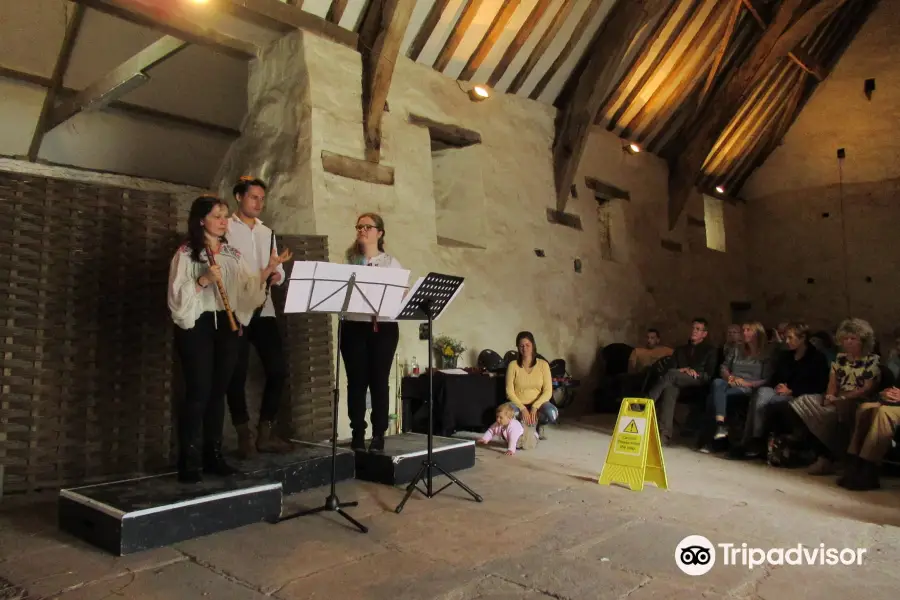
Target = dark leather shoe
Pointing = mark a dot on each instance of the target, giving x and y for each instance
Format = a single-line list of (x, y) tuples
[(359, 441), (214, 463), (377, 444)]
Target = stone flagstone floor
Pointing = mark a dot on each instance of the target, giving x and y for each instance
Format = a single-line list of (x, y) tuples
[(545, 530)]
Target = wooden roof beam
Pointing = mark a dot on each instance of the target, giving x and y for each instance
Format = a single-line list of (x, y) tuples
[(457, 34), (431, 20), (515, 46), (606, 53), (381, 35), (119, 81), (277, 15), (798, 55), (56, 81), (489, 39), (788, 28), (190, 27)]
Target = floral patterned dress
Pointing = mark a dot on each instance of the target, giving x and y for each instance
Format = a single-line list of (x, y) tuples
[(833, 424)]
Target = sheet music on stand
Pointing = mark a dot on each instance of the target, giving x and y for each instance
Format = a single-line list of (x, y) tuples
[(436, 291)]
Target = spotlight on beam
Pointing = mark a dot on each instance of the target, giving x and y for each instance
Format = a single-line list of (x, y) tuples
[(720, 189), (630, 148), (479, 93)]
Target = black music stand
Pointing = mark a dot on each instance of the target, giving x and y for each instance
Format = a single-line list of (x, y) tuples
[(429, 298), (342, 284)]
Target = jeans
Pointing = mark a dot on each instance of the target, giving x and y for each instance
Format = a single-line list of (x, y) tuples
[(665, 395), (720, 394), (759, 407), (547, 413)]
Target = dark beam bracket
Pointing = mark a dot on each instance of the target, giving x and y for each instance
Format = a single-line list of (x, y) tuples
[(604, 192), (357, 168), (452, 135), (558, 217)]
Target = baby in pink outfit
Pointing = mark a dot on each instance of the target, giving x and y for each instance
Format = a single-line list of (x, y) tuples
[(507, 428)]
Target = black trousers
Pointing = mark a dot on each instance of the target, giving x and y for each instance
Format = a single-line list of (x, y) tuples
[(208, 355), (367, 356), (263, 334)]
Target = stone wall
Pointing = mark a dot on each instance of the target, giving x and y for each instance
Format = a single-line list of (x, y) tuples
[(628, 280), (805, 202)]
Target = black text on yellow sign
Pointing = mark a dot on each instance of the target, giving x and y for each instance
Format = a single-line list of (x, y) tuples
[(635, 454)]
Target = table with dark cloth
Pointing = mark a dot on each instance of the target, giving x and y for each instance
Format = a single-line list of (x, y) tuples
[(461, 402)]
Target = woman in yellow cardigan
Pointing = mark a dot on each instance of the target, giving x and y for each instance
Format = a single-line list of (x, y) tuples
[(529, 386)]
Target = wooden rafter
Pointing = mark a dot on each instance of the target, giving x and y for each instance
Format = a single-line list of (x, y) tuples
[(565, 9), (720, 53), (489, 39), (607, 51), (586, 17), (192, 27), (515, 46), (457, 34), (56, 81), (279, 16), (336, 11), (797, 55), (785, 32), (431, 20), (680, 29), (112, 85), (132, 110), (381, 35)]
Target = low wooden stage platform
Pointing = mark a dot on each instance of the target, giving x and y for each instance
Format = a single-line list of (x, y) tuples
[(137, 514), (403, 456)]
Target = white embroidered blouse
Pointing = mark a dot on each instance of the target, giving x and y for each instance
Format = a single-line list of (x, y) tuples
[(187, 300)]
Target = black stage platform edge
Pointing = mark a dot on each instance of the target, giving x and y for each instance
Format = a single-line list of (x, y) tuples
[(142, 513), (132, 515), (403, 456), (307, 466)]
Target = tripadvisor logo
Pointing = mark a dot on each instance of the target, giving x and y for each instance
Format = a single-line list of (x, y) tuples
[(696, 555)]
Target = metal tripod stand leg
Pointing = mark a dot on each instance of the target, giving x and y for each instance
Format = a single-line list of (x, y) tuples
[(428, 464), (332, 502)]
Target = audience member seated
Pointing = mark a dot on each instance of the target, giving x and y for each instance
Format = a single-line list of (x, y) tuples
[(853, 379), (799, 370), (529, 386), (733, 339), (641, 361), (876, 425), (690, 366), (745, 370), (824, 343)]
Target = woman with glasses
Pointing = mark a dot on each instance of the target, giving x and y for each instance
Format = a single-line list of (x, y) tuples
[(368, 343)]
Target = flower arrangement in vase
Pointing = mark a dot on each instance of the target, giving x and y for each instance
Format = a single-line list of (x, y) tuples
[(449, 350)]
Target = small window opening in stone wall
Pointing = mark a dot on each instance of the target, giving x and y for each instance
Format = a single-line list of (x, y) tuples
[(456, 170), (604, 230), (714, 216), (610, 214)]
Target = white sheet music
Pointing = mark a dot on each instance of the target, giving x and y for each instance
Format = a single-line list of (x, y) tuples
[(322, 287)]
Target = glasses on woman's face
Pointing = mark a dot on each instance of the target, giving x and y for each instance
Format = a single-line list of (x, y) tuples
[(365, 228)]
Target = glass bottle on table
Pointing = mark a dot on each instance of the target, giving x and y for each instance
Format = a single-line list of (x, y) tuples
[(414, 367)]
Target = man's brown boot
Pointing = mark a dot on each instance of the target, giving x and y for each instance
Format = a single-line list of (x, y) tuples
[(246, 449), (268, 441)]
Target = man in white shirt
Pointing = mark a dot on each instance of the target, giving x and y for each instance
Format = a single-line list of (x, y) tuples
[(256, 243)]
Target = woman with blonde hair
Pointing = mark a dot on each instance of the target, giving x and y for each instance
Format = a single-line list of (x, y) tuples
[(368, 343), (854, 378), (744, 370)]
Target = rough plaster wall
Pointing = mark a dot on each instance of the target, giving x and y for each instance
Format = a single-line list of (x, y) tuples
[(788, 195), (508, 288), (459, 194), (275, 140)]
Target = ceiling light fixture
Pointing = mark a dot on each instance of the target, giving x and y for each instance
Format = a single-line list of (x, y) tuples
[(479, 93), (630, 148), (720, 189)]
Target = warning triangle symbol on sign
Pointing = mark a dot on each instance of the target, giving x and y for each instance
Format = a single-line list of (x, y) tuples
[(631, 427)]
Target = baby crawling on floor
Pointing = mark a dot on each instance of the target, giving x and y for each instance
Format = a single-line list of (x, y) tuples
[(510, 430)]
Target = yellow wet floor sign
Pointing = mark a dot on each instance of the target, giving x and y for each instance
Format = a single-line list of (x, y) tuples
[(635, 454)]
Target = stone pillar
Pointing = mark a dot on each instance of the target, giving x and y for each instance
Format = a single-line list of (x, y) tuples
[(275, 142)]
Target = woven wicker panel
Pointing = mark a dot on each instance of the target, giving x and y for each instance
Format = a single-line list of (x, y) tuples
[(309, 349), (85, 338)]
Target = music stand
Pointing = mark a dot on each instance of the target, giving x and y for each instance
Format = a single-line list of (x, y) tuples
[(321, 287), (426, 301)]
